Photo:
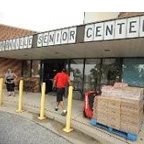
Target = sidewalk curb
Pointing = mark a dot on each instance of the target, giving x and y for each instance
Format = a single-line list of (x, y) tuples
[(98, 135)]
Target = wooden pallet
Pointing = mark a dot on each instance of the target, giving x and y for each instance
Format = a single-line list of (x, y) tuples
[(129, 136)]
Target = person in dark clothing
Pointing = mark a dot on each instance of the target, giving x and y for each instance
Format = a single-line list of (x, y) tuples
[(9, 81)]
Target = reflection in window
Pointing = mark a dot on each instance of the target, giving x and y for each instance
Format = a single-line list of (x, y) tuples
[(133, 72), (76, 73), (92, 74), (26, 68), (111, 71), (35, 68)]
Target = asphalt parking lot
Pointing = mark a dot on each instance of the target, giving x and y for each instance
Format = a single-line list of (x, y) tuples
[(17, 130)]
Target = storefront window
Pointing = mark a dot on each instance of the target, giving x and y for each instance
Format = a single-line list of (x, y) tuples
[(35, 68), (133, 71), (111, 71), (76, 74), (26, 68), (92, 74)]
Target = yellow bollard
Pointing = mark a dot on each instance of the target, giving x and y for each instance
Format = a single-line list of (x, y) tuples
[(42, 106), (20, 100), (69, 110), (1, 91)]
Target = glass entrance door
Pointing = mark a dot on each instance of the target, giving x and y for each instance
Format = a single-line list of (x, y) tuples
[(51, 67)]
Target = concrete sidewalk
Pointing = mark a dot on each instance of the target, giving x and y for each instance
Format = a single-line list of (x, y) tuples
[(32, 104)]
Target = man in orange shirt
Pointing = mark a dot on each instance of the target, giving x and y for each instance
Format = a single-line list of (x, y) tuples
[(61, 80)]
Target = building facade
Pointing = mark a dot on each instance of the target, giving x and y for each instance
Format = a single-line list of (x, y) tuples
[(96, 54), (99, 16)]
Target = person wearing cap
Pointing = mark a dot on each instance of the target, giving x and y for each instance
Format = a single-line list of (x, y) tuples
[(61, 80)]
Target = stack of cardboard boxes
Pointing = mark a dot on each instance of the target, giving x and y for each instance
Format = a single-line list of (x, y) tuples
[(100, 110), (107, 111), (120, 112), (131, 115)]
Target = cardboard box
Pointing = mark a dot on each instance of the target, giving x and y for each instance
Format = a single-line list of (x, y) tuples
[(126, 127), (124, 114), (114, 114), (129, 112), (132, 104), (101, 119), (132, 118), (114, 124), (114, 103), (114, 110)]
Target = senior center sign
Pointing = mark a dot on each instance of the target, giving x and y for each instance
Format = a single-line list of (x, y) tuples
[(57, 37), (116, 29)]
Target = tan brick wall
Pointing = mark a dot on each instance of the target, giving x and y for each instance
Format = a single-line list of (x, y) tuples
[(8, 32), (30, 84), (13, 64)]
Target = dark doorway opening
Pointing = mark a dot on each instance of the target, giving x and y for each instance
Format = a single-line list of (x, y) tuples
[(51, 67)]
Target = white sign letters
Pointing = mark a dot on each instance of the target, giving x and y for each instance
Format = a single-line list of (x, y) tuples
[(116, 29), (63, 36), (15, 44)]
